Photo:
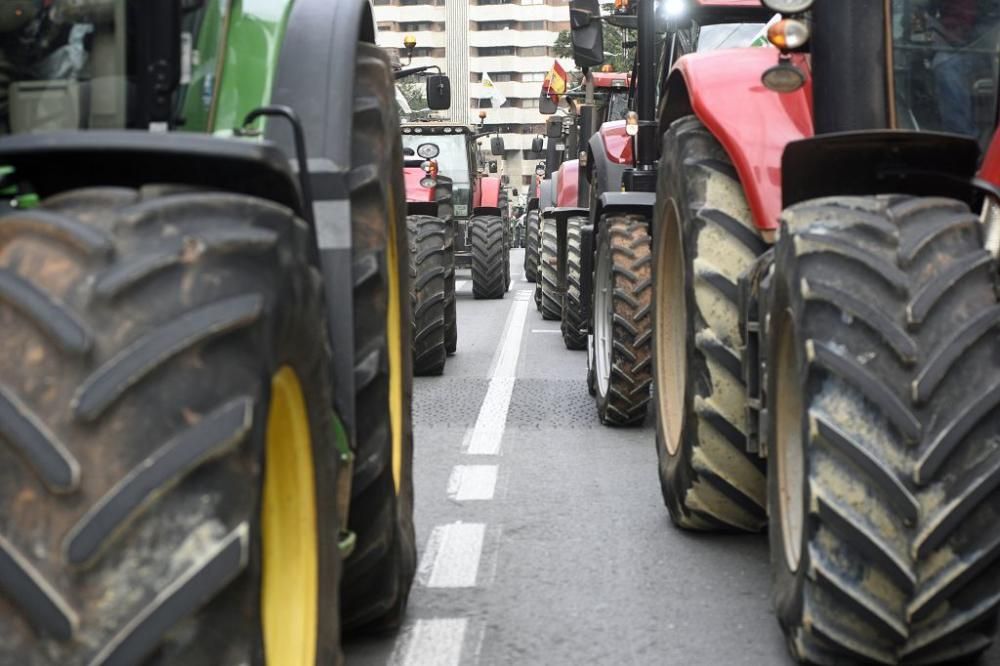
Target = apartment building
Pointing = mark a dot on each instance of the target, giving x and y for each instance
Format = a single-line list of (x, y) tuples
[(512, 41)]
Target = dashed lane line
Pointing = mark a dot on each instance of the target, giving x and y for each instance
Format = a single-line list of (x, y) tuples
[(433, 642), (472, 482), (451, 557), (486, 435)]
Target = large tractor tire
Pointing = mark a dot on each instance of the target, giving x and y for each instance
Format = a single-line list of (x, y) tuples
[(574, 323), (532, 243), (884, 397), (548, 272), (488, 274), (428, 292), (623, 327), (506, 258), (705, 239), (450, 299), (379, 572), (167, 472)]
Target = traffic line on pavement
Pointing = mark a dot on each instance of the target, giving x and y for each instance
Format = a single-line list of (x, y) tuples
[(436, 642), (451, 557), (487, 433), (545, 330), (461, 285), (472, 482)]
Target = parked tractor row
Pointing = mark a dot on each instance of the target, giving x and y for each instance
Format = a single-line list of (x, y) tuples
[(787, 246)]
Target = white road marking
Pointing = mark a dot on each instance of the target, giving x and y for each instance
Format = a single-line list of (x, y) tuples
[(486, 435), (436, 642), (472, 482), (461, 285), (451, 557), (545, 330)]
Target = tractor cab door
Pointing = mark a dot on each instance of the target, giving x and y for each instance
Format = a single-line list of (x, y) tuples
[(946, 66)]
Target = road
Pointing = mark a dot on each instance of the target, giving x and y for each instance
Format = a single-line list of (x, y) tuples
[(542, 534)]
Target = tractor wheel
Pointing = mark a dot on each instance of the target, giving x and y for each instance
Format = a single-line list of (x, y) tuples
[(506, 258), (884, 479), (487, 240), (548, 272), (623, 297), (167, 475), (705, 239), (450, 302), (378, 573), (532, 243), (428, 292), (574, 326)]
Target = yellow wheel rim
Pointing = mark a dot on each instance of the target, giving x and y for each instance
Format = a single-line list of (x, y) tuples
[(393, 326), (289, 590)]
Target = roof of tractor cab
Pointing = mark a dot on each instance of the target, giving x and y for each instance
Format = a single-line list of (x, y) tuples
[(435, 127), (708, 12), (611, 79)]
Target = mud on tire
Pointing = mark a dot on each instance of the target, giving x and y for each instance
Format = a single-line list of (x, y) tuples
[(704, 240), (141, 333), (884, 401)]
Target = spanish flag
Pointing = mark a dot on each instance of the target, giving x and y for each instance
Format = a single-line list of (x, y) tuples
[(555, 82)]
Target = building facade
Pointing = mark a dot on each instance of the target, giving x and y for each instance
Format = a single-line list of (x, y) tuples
[(511, 41)]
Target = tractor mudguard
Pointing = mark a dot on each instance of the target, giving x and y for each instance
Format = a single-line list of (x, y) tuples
[(880, 162), (415, 192), (568, 184), (607, 158), (545, 198), (125, 158), (489, 188), (723, 89), (641, 203), (989, 173)]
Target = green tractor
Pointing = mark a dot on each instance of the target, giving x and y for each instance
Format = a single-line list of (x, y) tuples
[(205, 365)]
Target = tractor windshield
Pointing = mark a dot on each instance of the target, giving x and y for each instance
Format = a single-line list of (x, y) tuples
[(728, 35), (453, 162), (618, 105), (945, 65), (62, 65)]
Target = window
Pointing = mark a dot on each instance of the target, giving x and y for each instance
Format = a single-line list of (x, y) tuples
[(497, 51), (533, 76), (384, 25), (529, 103), (415, 26), (494, 2), (497, 25), (502, 76), (532, 25), (533, 51)]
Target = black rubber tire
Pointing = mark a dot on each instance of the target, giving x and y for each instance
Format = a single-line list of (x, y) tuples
[(574, 323), (506, 258), (894, 362), (548, 272), (451, 303), (708, 479), (487, 240), (532, 243), (428, 293), (625, 273), (378, 574), (140, 336)]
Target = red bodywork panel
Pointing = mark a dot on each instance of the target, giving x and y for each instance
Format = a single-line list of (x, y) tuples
[(617, 144), (569, 185), (488, 193), (607, 79), (751, 122), (414, 191), (990, 171)]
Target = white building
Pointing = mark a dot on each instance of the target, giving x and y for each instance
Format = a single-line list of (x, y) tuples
[(512, 41)]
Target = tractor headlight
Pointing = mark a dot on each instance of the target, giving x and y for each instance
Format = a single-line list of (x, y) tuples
[(788, 6), (428, 182), (788, 34), (631, 123), (428, 150)]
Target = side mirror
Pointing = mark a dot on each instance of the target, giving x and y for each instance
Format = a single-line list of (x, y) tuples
[(546, 106), (438, 92), (553, 128), (493, 167), (537, 144), (505, 180), (586, 32), (496, 146)]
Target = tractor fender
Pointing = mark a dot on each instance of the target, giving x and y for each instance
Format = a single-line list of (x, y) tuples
[(568, 184), (545, 198), (753, 124), (641, 203), (606, 166), (989, 172), (489, 189)]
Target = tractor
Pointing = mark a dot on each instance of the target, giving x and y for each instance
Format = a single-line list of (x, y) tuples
[(205, 367), (824, 327), (452, 187), (615, 305)]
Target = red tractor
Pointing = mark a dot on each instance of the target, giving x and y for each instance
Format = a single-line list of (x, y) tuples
[(825, 351), (459, 218)]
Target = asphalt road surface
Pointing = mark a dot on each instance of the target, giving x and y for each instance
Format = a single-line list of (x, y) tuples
[(542, 535)]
